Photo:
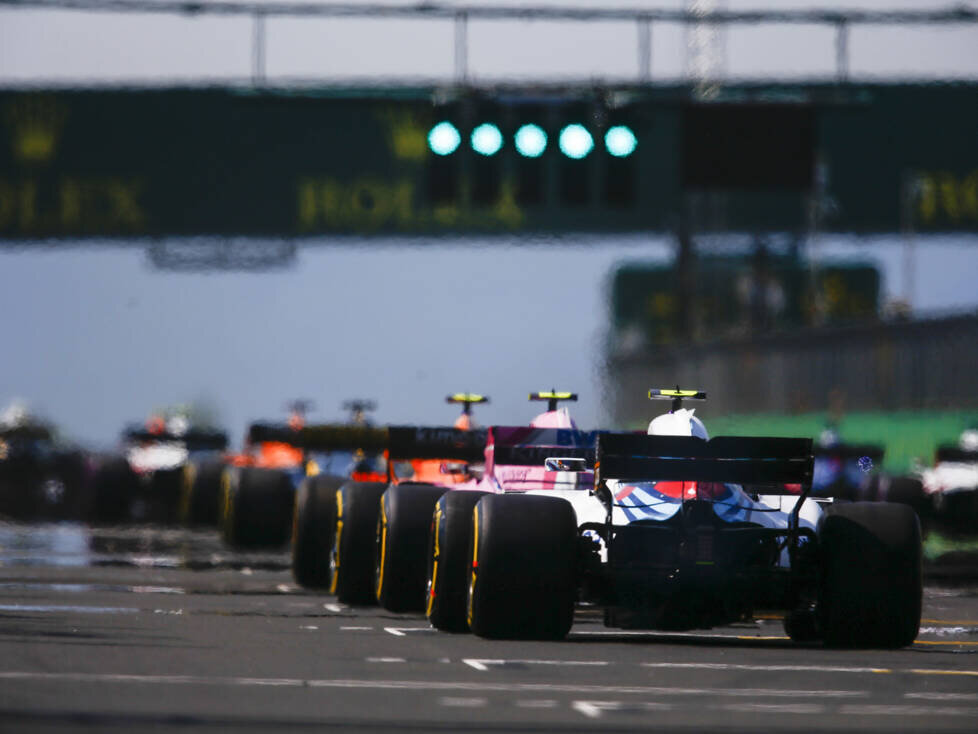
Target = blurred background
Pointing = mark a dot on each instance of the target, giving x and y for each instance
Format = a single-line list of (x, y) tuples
[(233, 204)]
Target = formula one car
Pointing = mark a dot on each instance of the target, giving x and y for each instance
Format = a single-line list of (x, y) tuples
[(951, 485), (41, 477), (845, 470), (680, 532), (146, 483), (263, 484), (378, 553), (514, 462)]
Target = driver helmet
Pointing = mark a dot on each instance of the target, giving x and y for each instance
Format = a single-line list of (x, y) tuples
[(681, 422), (969, 440)]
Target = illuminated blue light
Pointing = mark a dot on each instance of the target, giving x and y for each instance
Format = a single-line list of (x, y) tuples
[(444, 138), (531, 141), (620, 141), (575, 141), (486, 139)]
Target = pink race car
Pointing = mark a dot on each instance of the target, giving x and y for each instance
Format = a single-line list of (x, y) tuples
[(549, 454)]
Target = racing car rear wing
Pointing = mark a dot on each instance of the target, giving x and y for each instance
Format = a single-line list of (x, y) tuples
[(27, 433), (524, 446), (321, 437), (401, 442), (728, 459), (425, 442), (851, 451), (194, 440), (955, 454)]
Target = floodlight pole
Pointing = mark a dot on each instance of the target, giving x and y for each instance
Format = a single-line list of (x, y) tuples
[(842, 51), (645, 48), (461, 47), (258, 50)]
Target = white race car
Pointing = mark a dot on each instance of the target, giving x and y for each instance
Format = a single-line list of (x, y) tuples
[(952, 483), (679, 531)]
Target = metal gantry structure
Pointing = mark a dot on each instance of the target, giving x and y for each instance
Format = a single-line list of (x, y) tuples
[(461, 14)]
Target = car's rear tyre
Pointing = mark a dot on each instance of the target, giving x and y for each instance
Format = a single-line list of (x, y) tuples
[(871, 581), (907, 491), (449, 551), (200, 500), (114, 486), (313, 530), (257, 508), (353, 560), (161, 499), (402, 542), (523, 578)]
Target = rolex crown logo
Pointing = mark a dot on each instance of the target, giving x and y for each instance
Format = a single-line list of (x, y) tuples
[(407, 137), (35, 123)]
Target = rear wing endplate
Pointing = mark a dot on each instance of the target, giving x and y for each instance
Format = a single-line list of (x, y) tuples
[(194, 440), (727, 459)]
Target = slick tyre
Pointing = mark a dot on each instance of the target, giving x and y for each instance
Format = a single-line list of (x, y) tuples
[(113, 488), (402, 543), (909, 491), (257, 508), (161, 502), (449, 551), (871, 581), (313, 530), (200, 501), (523, 575), (353, 560)]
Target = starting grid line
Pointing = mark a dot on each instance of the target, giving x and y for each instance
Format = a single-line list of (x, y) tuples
[(589, 708)]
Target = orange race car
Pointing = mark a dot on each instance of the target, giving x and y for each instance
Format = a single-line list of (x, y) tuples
[(258, 492), (416, 456)]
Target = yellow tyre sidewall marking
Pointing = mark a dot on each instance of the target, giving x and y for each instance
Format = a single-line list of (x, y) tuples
[(186, 491), (383, 545), (227, 506), (434, 567), (336, 542), (295, 513), (473, 572)]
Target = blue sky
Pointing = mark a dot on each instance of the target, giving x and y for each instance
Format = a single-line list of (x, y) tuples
[(94, 337)]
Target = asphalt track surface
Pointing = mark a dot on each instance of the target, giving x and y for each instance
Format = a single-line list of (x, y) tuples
[(136, 629)]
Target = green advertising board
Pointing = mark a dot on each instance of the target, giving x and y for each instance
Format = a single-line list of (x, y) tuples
[(307, 162)]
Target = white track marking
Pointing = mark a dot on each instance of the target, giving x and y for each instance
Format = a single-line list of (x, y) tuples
[(335, 608), (459, 702), (50, 609), (936, 696), (658, 634), (775, 708), (484, 663), (930, 671), (769, 668), (308, 627), (402, 631), (537, 703), (596, 709), (350, 629), (284, 588), (945, 631), (904, 710), (425, 685), (386, 660)]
